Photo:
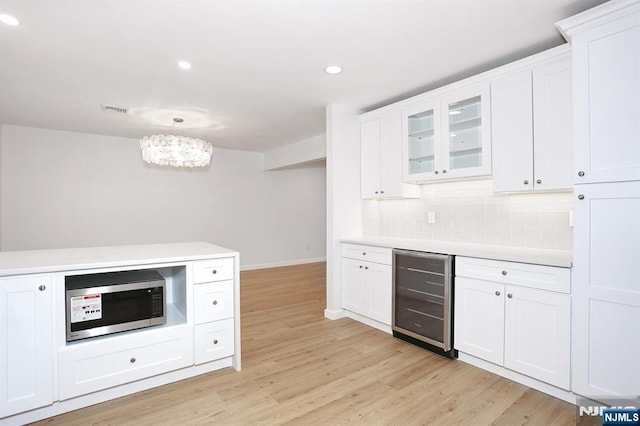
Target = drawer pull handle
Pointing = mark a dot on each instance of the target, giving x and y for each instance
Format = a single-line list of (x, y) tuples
[(215, 302), (215, 341), (504, 272), (497, 293), (509, 295), (132, 360), (214, 271), (42, 287)]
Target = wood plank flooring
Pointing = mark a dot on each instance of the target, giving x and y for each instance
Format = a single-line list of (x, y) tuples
[(300, 368)]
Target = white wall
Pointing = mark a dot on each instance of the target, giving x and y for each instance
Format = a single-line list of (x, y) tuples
[(344, 206), (469, 211), (63, 189), (303, 152)]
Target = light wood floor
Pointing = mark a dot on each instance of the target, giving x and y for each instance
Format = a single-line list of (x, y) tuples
[(300, 368)]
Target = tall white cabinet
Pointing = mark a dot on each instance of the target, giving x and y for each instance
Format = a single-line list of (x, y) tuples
[(606, 293)]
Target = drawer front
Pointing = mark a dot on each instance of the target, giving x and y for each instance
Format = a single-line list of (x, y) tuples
[(92, 366), (205, 271), (523, 274), (214, 340), (367, 253), (213, 301)]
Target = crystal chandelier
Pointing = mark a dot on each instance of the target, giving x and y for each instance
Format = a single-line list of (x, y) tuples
[(176, 151)]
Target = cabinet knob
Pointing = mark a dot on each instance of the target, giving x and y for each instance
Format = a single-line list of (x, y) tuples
[(364, 253), (132, 360), (436, 172), (539, 181), (376, 192), (42, 287), (580, 173), (580, 197), (444, 171), (382, 192), (366, 267), (509, 295), (497, 293), (526, 182), (215, 271), (504, 272), (360, 266), (215, 302), (215, 341)]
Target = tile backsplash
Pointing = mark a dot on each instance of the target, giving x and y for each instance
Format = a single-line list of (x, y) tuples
[(470, 211)]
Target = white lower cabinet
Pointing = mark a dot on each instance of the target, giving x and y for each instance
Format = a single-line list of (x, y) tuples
[(26, 367), (213, 340), (524, 329), (94, 365), (366, 286)]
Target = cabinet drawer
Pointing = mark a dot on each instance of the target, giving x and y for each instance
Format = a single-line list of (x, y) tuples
[(214, 340), (367, 253), (95, 365), (213, 301), (205, 271), (524, 274)]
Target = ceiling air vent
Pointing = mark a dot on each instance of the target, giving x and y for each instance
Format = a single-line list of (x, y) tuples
[(113, 108)]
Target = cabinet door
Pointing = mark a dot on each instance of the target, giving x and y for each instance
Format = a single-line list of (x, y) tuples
[(353, 286), (553, 126), (606, 290), (26, 352), (479, 318), (421, 146), (391, 156), (466, 135), (512, 132), (606, 74), (370, 159), (538, 334), (379, 292)]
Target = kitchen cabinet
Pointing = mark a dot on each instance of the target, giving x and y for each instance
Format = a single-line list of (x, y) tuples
[(607, 291), (381, 159), (448, 136), (502, 316), (605, 43), (532, 136), (606, 59), (213, 309), (366, 282), (26, 336)]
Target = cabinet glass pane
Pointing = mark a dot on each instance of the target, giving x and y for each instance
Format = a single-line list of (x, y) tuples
[(465, 136), (421, 142)]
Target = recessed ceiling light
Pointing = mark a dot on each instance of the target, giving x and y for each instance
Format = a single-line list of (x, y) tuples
[(9, 20), (185, 65), (333, 69)]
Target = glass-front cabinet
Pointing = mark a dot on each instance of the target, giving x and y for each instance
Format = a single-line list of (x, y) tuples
[(452, 144)]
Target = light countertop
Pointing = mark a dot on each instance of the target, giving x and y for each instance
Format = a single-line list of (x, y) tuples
[(56, 260), (562, 258)]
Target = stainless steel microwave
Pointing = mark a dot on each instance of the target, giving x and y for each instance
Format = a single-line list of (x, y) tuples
[(111, 302)]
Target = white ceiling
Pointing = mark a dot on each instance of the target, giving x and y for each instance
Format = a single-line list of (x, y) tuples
[(258, 65)]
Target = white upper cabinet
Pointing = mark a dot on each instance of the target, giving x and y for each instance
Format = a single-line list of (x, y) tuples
[(466, 131), (448, 136), (381, 159), (606, 60), (532, 133)]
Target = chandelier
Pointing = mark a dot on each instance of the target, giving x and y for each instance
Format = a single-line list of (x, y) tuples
[(176, 151)]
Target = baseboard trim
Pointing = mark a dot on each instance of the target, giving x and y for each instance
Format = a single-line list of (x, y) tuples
[(285, 263), (334, 315)]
